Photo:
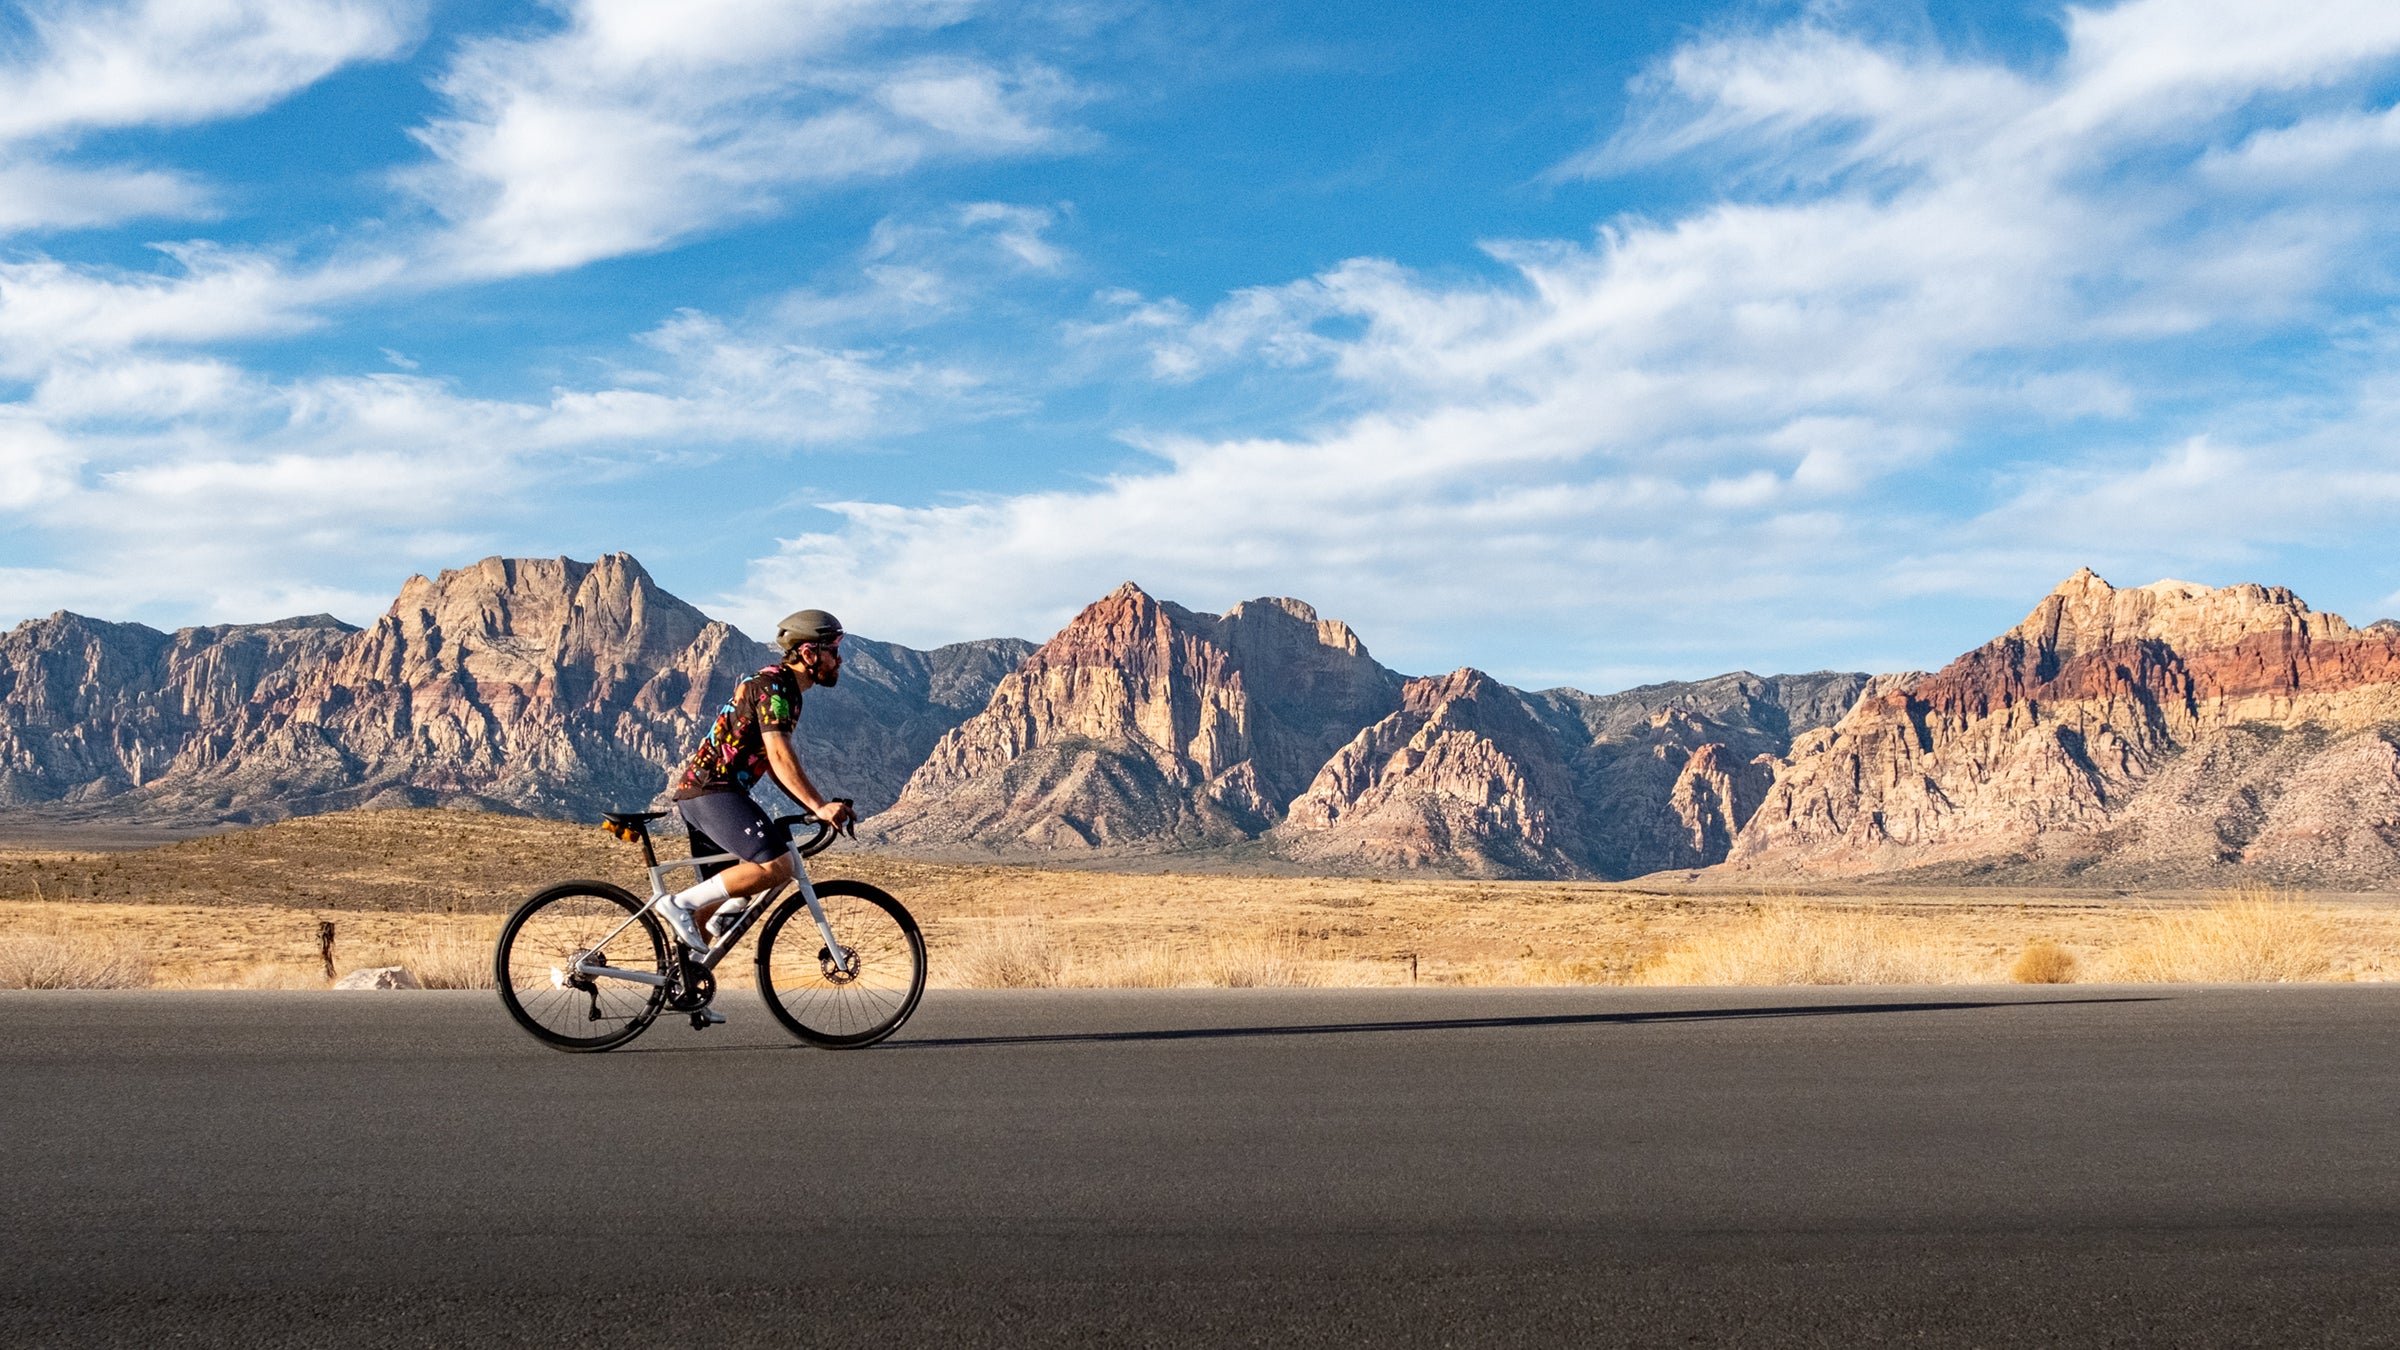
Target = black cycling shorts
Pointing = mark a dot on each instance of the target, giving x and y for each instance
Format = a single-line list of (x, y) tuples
[(736, 824)]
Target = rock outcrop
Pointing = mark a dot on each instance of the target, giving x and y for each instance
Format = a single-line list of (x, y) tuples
[(1667, 773), (544, 685), (2171, 729), (1145, 725), (91, 711), (1462, 777)]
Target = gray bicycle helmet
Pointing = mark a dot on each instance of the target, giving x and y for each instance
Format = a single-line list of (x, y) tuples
[(807, 626)]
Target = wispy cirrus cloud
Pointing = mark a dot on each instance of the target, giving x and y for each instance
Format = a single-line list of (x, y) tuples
[(149, 63)]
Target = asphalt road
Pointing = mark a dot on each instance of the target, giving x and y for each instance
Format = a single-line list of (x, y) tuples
[(1579, 1167)]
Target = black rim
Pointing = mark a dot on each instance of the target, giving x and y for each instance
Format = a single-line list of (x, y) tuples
[(538, 946), (842, 1009)]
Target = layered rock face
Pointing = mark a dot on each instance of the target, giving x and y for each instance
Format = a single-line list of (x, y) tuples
[(1668, 773), (92, 710), (1462, 777), (865, 736), (2171, 728), (1143, 724), (1470, 775), (545, 685)]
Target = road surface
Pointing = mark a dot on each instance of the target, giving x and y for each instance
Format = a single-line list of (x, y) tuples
[(1999, 1167)]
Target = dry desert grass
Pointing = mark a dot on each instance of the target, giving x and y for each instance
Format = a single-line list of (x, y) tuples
[(2043, 962), (1792, 943), (427, 889), (2250, 937), (50, 952)]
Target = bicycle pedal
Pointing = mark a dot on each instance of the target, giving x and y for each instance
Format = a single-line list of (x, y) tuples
[(704, 1018)]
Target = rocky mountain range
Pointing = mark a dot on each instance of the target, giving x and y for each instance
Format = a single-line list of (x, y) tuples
[(2167, 732), (1145, 726), (2171, 732), (541, 685)]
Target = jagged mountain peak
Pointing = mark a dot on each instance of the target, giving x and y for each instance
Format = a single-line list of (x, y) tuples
[(1462, 777), (546, 684), (2112, 724), (1143, 723), (2084, 614)]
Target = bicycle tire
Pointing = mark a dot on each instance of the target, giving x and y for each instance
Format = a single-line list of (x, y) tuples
[(544, 934), (854, 1009)]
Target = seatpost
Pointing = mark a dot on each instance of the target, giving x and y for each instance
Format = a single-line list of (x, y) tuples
[(649, 854)]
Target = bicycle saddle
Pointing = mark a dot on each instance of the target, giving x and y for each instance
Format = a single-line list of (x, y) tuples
[(630, 817)]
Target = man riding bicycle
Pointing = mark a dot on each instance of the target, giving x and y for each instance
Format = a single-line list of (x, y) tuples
[(753, 736)]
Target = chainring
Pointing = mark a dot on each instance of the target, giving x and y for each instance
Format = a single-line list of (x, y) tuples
[(690, 986)]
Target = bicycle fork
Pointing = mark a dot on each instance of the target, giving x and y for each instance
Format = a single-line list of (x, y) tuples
[(837, 956)]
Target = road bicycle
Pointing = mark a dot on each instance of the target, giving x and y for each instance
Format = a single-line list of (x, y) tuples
[(585, 966)]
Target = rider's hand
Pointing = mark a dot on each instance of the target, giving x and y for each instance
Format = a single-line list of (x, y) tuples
[(836, 814)]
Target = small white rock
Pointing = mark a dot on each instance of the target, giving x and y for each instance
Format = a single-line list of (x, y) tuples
[(379, 977)]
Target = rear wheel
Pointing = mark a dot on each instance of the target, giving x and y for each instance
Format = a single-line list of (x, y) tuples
[(534, 966), (847, 1003)]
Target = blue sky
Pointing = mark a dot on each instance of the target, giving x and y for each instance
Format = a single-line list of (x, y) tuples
[(1588, 343)]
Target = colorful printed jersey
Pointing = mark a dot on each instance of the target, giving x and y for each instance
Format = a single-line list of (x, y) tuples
[(735, 754)]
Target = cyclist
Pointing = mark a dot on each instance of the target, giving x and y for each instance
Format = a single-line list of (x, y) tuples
[(752, 737)]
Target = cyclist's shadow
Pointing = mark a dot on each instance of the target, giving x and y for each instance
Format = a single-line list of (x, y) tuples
[(1528, 1021)]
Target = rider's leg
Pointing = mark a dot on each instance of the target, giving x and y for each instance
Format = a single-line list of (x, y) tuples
[(741, 828), (741, 879)]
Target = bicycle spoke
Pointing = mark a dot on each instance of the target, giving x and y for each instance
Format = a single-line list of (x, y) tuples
[(853, 1006), (539, 953)]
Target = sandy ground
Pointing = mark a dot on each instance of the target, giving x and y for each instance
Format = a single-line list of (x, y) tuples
[(428, 888)]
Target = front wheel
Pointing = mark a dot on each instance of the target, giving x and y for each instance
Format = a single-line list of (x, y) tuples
[(842, 1004), (540, 947)]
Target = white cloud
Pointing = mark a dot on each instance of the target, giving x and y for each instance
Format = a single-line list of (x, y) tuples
[(171, 62), (35, 195), (157, 469), (636, 125), (159, 63), (52, 311), (205, 489), (1740, 428)]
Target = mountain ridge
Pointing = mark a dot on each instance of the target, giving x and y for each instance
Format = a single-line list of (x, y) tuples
[(2112, 736)]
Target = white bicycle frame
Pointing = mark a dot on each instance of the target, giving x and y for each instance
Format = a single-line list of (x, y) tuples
[(842, 957)]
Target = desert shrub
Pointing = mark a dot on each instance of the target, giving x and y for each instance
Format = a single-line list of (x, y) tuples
[(450, 956), (1796, 944), (441, 953), (1257, 961), (1157, 965), (2043, 962), (1018, 955), (61, 956), (2249, 937), (277, 975), (1571, 971)]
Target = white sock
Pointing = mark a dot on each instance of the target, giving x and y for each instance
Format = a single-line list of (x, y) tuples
[(707, 892)]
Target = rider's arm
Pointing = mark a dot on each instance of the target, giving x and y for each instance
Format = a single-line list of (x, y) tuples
[(784, 762)]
